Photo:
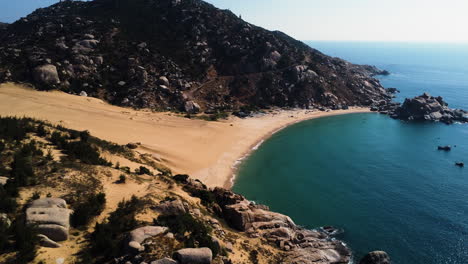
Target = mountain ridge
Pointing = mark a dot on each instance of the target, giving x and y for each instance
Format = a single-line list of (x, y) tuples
[(176, 55)]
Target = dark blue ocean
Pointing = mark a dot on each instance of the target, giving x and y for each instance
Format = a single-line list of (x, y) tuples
[(381, 180)]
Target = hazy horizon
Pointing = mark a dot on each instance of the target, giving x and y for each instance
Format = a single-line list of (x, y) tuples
[(333, 20)]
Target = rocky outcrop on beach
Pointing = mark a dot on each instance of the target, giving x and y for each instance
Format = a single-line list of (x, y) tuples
[(191, 57), (423, 108)]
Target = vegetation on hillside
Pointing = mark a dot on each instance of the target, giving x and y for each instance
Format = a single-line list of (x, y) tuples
[(27, 160)]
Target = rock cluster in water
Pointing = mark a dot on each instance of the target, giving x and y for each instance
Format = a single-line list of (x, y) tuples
[(376, 257), (422, 108), (190, 57)]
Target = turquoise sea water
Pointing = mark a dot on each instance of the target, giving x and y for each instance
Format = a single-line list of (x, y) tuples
[(381, 180)]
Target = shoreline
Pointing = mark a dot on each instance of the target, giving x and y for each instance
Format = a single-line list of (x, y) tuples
[(230, 182), (205, 150)]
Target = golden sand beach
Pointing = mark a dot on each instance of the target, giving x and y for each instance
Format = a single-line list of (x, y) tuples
[(205, 150)]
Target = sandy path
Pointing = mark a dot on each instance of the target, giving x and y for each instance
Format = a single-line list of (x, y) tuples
[(205, 150)]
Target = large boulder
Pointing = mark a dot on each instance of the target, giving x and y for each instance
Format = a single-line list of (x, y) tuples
[(85, 46), (49, 203), (244, 214), (376, 257), (169, 208), (137, 236), (51, 217), (194, 256), (191, 107), (164, 81), (46, 74)]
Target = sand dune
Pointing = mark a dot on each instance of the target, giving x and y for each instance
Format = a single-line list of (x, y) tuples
[(205, 150)]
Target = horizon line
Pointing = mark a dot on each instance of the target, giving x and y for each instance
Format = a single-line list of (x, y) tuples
[(389, 41)]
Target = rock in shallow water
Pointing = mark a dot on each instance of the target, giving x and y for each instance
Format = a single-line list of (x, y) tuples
[(376, 257)]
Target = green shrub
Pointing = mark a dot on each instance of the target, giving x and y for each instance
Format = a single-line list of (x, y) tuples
[(106, 240), (85, 211), (58, 139), (192, 231), (26, 241), (4, 233), (122, 178), (84, 136), (182, 178), (41, 130), (81, 150), (36, 195), (7, 203), (253, 256), (50, 155), (21, 169), (74, 134), (12, 128), (143, 170)]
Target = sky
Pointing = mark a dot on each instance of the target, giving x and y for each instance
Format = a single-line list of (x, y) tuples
[(336, 20)]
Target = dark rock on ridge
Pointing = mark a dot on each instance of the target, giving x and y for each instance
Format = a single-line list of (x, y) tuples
[(376, 257), (3, 25), (190, 55)]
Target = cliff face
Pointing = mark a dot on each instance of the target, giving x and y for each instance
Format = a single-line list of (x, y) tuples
[(163, 54)]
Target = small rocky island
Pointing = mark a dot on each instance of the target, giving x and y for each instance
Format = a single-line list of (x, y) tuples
[(423, 108)]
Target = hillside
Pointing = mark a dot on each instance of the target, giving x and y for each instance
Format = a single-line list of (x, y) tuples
[(130, 211), (176, 55)]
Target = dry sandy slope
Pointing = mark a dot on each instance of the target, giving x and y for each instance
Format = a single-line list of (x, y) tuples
[(205, 150)]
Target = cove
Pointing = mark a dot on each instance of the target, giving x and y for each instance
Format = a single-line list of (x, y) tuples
[(382, 180)]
